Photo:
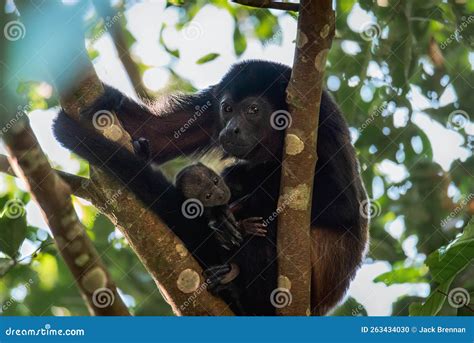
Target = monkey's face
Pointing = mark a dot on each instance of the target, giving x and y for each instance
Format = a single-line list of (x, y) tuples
[(247, 132), (200, 182)]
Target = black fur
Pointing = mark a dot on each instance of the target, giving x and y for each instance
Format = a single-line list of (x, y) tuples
[(338, 189)]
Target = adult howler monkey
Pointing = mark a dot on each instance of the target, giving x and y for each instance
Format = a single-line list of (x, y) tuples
[(236, 113)]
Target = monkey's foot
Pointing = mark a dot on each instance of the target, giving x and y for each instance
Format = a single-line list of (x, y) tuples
[(253, 226), (218, 278), (142, 148)]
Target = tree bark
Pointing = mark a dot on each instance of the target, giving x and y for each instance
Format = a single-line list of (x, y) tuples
[(314, 38)]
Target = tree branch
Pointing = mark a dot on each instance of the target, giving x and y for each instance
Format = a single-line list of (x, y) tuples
[(79, 185), (105, 11), (316, 24), (53, 195), (285, 6), (172, 267)]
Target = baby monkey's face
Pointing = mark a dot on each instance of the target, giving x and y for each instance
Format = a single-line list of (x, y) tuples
[(200, 182)]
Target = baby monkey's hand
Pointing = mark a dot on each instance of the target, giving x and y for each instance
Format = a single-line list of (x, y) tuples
[(254, 226)]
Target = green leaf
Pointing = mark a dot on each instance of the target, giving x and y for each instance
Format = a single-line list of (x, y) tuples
[(447, 262), (240, 42), (350, 308), (207, 58), (403, 275), (434, 303), (12, 230)]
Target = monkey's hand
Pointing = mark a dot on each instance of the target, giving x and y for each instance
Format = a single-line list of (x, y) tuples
[(253, 226), (142, 148), (219, 277), (227, 231)]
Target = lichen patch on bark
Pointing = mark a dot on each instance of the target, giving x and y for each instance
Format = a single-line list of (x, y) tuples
[(182, 251), (94, 279), (82, 260), (301, 39), (320, 60), (325, 31), (294, 145), (188, 281), (297, 197), (284, 282)]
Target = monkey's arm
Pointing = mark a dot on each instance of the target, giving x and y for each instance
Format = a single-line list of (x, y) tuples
[(174, 125)]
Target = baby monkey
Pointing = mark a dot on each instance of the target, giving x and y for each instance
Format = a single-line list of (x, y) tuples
[(201, 183)]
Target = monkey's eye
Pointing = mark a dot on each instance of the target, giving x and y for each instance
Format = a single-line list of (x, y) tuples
[(215, 180), (253, 109), (226, 107), (208, 196)]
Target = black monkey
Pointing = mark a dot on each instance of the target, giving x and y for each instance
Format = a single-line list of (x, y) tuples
[(201, 185), (238, 113)]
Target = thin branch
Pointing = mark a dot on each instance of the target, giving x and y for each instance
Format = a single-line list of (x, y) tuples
[(316, 24), (79, 185), (285, 6), (107, 13)]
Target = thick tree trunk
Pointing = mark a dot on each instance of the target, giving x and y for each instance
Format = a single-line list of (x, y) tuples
[(314, 38)]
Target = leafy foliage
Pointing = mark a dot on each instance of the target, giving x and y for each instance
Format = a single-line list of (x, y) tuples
[(378, 70)]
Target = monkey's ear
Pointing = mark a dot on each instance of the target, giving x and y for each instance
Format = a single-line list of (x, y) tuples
[(213, 90)]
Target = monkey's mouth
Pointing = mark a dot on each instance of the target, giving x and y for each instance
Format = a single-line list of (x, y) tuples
[(237, 150)]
